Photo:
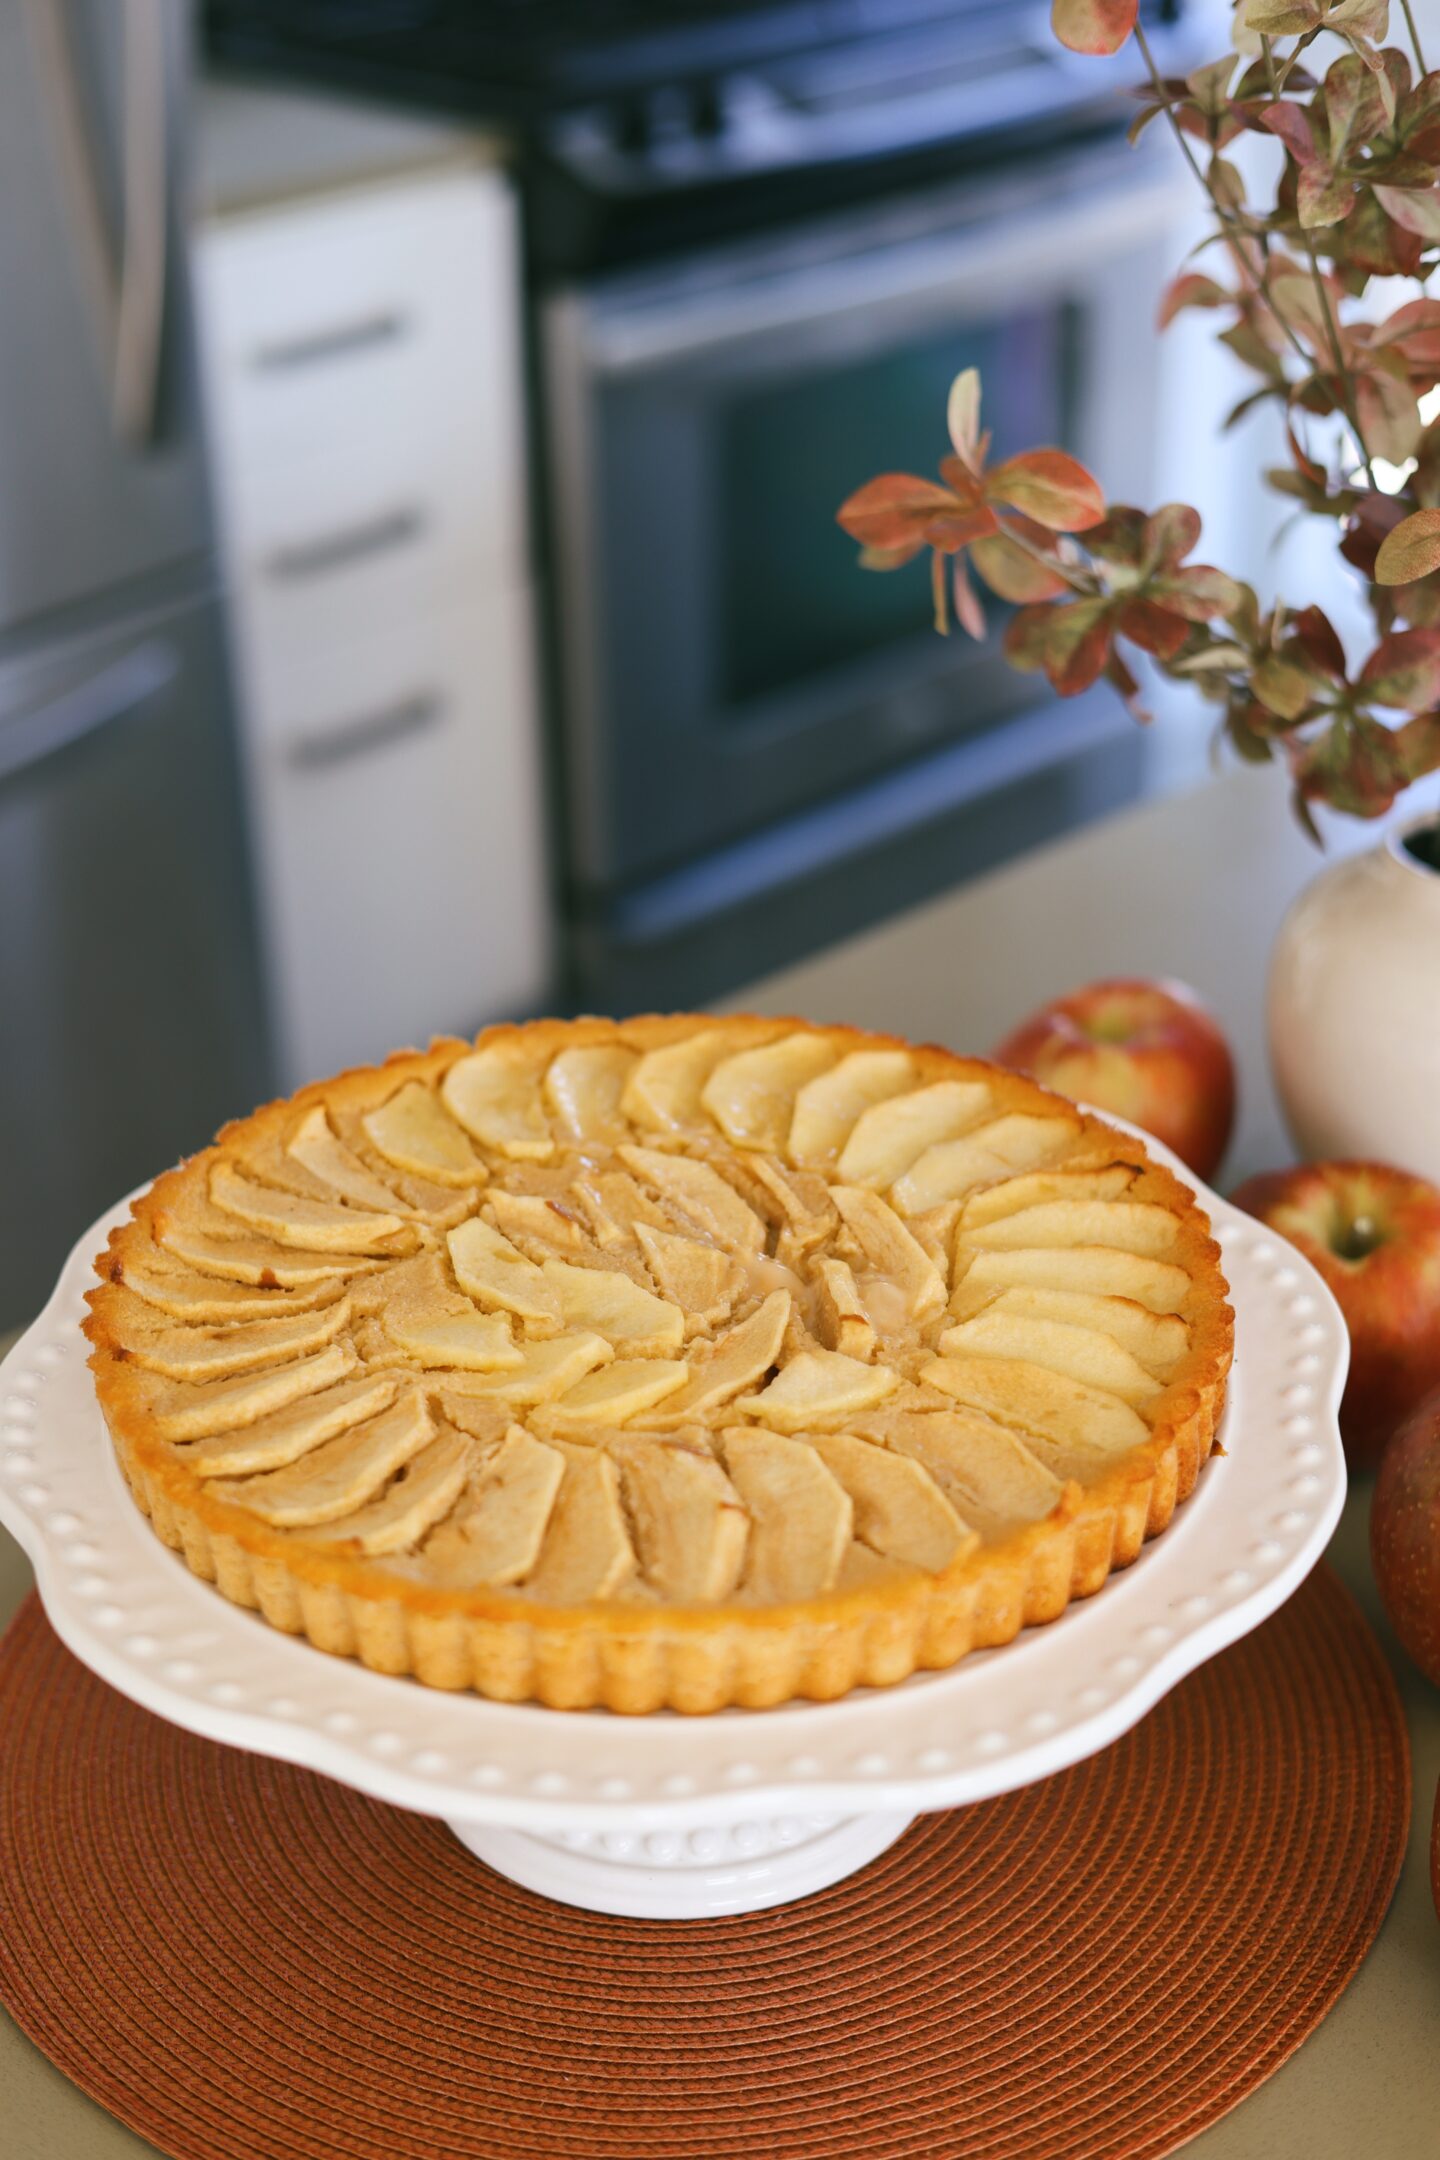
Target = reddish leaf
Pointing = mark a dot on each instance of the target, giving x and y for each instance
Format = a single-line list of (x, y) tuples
[(1152, 627), (1416, 209), (1027, 639), (1355, 765), (1292, 124), (1314, 633), (1324, 197), (1199, 592), (1373, 517), (1388, 414), (1411, 551), (1170, 533), (963, 480), (1049, 486), (950, 530), (1192, 289), (1414, 331), (1079, 646), (1014, 575), (1117, 673), (1094, 26), (892, 510), (1404, 671), (968, 612), (1119, 537)]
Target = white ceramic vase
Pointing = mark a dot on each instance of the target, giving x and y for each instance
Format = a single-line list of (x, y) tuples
[(1354, 1010)]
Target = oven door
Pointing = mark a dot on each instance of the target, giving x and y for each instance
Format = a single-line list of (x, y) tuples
[(724, 661)]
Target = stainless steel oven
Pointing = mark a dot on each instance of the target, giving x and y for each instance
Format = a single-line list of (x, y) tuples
[(761, 743)]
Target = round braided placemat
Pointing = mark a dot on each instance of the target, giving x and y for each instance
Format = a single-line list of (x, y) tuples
[(243, 1959)]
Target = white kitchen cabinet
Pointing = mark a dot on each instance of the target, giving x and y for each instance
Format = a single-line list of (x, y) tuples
[(363, 384)]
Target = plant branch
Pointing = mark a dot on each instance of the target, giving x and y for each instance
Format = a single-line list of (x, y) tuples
[(1332, 335), (1257, 271), (1414, 37)]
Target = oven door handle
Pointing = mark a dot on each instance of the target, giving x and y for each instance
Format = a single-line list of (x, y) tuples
[(1050, 241)]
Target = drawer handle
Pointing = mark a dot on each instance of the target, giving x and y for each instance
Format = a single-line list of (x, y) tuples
[(313, 558), (336, 343), (373, 731)]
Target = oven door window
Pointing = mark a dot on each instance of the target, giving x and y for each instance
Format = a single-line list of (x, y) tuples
[(792, 604), (747, 667)]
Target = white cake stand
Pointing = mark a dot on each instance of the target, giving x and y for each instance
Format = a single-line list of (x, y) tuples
[(666, 1817)]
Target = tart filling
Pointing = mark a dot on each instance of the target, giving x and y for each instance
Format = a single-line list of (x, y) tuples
[(676, 1362)]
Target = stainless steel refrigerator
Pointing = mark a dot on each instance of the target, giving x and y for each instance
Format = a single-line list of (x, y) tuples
[(131, 1019)]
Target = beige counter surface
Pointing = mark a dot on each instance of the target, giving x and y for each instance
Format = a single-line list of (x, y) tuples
[(1193, 887)]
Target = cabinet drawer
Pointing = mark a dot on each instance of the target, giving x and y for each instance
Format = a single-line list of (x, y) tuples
[(379, 332), (401, 846)]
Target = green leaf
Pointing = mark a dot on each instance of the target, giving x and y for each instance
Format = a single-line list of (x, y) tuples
[(1094, 26), (1049, 486), (1281, 688), (1323, 196), (1281, 18), (1417, 745), (1411, 551), (1013, 575)]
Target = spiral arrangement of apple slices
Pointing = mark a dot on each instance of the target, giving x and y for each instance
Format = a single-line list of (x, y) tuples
[(680, 1313)]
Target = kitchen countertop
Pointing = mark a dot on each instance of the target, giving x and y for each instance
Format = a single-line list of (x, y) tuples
[(1205, 880)]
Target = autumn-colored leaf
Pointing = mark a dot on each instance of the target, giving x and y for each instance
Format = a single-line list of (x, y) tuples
[(1152, 627), (1049, 486), (1192, 289), (1198, 591), (1416, 209), (968, 611), (1404, 671), (1094, 26), (1324, 197), (1281, 18), (1170, 533), (937, 593), (1417, 745), (1282, 689), (1014, 575), (1411, 551), (1388, 414), (1373, 516), (1027, 637), (1079, 646), (1354, 765), (1291, 123), (1315, 635), (892, 510)]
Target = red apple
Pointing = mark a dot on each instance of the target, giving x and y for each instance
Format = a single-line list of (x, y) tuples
[(1374, 1234), (1405, 1535), (1148, 1051)]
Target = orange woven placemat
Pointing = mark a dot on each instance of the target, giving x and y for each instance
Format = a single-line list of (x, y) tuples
[(242, 1959)]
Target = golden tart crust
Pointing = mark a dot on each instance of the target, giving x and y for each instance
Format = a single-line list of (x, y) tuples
[(678, 1362)]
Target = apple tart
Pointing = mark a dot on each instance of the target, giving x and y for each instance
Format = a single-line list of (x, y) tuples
[(673, 1363)]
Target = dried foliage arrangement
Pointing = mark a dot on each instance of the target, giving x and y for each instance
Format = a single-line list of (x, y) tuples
[(1356, 208)]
